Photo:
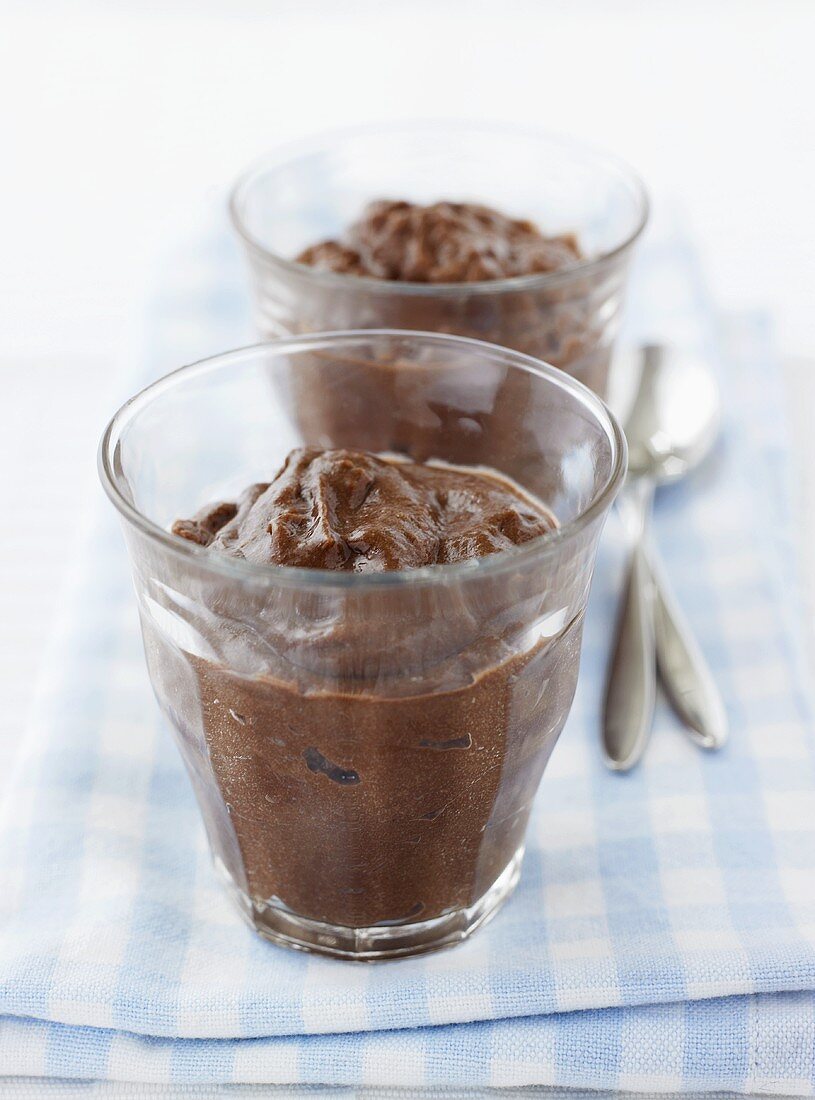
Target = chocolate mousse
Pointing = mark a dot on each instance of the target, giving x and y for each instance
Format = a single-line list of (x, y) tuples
[(420, 255), (445, 242), (379, 770), (362, 512)]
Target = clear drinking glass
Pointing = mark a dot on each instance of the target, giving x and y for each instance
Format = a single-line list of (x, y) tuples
[(364, 747), (311, 192)]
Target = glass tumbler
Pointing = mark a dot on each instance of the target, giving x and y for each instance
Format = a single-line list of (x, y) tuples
[(364, 747), (311, 192)]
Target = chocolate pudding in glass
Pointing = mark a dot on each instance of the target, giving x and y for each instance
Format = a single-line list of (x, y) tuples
[(515, 237), (367, 651)]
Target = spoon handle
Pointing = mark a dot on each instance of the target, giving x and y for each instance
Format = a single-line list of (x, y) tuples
[(631, 685), (685, 675)]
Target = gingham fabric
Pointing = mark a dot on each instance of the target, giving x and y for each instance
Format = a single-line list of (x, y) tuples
[(662, 938)]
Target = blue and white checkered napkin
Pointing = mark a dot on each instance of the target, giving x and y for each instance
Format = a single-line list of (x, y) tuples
[(663, 934)]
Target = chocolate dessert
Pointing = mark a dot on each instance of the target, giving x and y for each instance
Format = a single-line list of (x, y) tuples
[(379, 770), (430, 250), (355, 511), (446, 242)]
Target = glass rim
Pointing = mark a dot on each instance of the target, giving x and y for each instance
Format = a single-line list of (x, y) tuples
[(588, 266), (272, 575)]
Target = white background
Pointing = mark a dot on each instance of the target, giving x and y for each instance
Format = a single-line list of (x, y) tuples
[(118, 119)]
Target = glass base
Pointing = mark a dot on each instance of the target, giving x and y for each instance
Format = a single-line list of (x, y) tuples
[(375, 943)]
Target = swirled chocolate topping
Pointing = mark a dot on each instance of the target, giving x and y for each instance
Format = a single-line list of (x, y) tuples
[(354, 511)]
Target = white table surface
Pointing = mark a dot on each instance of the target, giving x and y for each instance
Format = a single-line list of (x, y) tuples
[(119, 119)]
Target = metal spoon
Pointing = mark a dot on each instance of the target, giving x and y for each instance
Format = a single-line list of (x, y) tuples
[(671, 427)]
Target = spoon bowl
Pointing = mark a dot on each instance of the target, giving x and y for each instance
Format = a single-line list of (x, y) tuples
[(675, 417)]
